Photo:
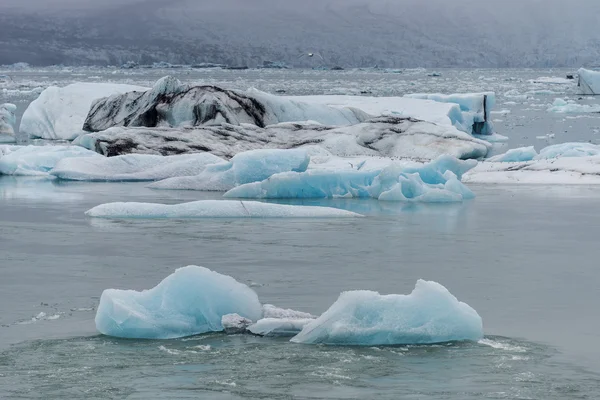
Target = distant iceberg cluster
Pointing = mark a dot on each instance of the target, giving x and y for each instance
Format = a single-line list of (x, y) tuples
[(195, 300)]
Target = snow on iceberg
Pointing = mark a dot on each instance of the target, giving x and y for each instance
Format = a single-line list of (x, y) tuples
[(589, 81), (214, 209), (384, 136), (562, 106), (430, 314), (132, 167), (39, 160), (437, 181), (7, 122), (247, 167), (191, 301), (515, 155), (59, 112), (476, 109)]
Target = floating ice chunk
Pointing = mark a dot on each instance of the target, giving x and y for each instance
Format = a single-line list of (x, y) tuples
[(437, 181), (214, 209), (234, 323), (562, 106), (246, 167), (7, 122), (279, 326), (39, 160), (59, 113), (552, 80), (191, 301), (132, 167), (270, 311), (589, 81), (430, 314), (515, 155), (568, 150), (475, 108)]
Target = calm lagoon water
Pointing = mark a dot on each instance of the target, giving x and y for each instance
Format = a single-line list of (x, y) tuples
[(524, 257)]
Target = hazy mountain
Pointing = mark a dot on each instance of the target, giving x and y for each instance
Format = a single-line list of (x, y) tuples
[(394, 33)]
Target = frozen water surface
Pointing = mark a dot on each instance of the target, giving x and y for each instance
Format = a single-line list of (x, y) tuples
[(524, 257)]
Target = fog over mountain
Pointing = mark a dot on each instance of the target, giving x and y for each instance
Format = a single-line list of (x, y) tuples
[(349, 33)]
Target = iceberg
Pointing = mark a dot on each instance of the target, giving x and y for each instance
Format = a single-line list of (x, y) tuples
[(39, 160), (214, 209), (191, 301), (246, 167), (59, 112), (437, 181), (173, 104), (589, 81), (571, 149), (562, 106), (8, 120), (515, 155), (234, 323), (132, 167), (475, 108), (279, 326), (385, 136), (430, 314)]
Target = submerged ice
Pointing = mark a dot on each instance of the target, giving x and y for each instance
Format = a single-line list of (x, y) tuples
[(430, 314)]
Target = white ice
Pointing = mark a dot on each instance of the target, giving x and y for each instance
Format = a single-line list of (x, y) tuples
[(553, 80), (589, 81), (214, 209), (430, 314), (132, 167), (562, 106), (246, 167), (8, 120), (191, 301), (39, 160), (571, 149), (235, 323), (279, 326), (59, 112), (437, 181)]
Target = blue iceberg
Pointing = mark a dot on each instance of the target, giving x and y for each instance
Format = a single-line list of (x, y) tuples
[(246, 167), (568, 150), (430, 314), (39, 160), (515, 155), (437, 181), (191, 301)]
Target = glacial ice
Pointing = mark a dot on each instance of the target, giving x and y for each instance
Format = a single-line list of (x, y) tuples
[(7, 122), (562, 106), (59, 113), (132, 167), (384, 136), (279, 326), (573, 149), (437, 181), (430, 314), (191, 301), (589, 81), (235, 323), (214, 209), (515, 155), (39, 160), (246, 167), (476, 109)]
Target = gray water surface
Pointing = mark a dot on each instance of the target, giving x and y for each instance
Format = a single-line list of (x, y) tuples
[(524, 258)]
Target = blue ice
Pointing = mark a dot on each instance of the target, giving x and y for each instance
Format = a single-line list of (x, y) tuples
[(191, 301), (430, 314), (516, 155), (437, 181), (39, 160)]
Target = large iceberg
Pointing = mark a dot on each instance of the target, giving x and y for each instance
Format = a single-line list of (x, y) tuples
[(39, 160), (437, 181), (214, 209), (191, 301), (7, 122), (59, 112), (589, 81), (247, 167), (173, 104), (475, 109), (132, 167), (384, 136), (430, 314)]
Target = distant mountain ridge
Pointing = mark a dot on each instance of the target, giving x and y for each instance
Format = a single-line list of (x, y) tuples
[(348, 33)]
